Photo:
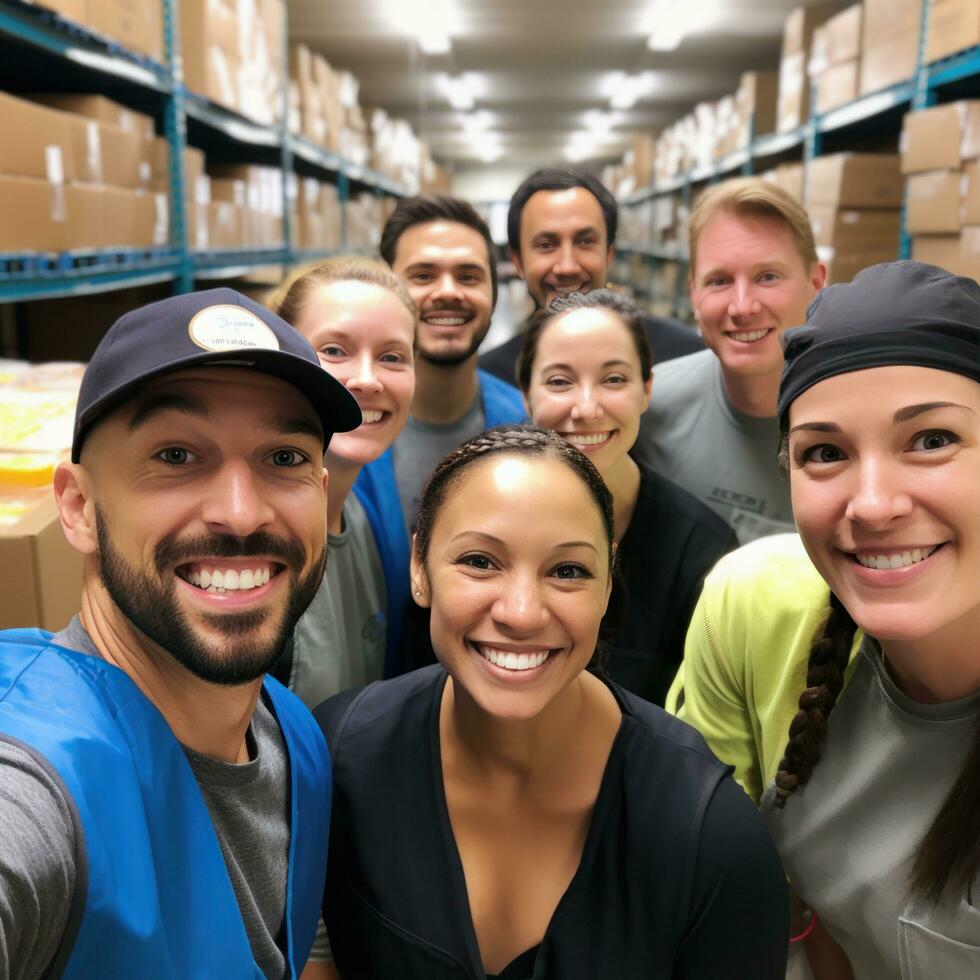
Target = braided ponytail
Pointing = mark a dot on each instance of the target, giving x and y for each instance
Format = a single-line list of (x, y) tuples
[(824, 681)]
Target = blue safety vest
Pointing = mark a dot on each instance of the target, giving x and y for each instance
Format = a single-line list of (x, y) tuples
[(377, 491), (152, 892)]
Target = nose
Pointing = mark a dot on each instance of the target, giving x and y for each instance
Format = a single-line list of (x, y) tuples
[(235, 502), (745, 302), (446, 286), (879, 496), (587, 407), (364, 378), (519, 608), (566, 262)]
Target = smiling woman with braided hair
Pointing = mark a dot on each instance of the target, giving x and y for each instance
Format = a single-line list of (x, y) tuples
[(838, 670)]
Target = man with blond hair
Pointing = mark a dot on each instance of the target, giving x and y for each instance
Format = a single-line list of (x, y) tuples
[(711, 425)]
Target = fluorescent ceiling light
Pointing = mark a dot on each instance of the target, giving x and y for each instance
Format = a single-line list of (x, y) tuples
[(670, 21), (430, 22), (461, 91)]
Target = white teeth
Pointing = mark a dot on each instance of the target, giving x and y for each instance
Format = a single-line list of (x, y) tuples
[(230, 580), (514, 661), (900, 560), (369, 416), (446, 321), (587, 438), (749, 336)]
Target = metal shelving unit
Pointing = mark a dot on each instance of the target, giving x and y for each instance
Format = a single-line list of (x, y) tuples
[(61, 54), (955, 77)]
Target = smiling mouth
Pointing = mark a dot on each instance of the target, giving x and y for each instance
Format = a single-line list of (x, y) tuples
[(895, 559), (446, 319), (588, 438), (510, 660), (748, 336), (372, 416), (216, 579)]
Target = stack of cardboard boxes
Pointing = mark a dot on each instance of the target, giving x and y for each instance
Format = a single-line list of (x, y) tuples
[(76, 173), (246, 206), (941, 158), (834, 62), (315, 214), (755, 107), (37, 409), (135, 24), (953, 26), (890, 43), (794, 90), (854, 201), (233, 54)]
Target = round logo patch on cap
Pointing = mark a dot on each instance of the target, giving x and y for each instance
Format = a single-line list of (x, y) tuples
[(227, 327)]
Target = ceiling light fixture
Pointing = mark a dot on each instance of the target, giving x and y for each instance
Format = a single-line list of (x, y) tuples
[(430, 22), (460, 90), (670, 21)]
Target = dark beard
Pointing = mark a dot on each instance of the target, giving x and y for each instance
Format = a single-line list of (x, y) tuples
[(154, 610), (455, 358)]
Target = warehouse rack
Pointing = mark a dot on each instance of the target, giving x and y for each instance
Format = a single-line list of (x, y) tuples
[(877, 114), (44, 51)]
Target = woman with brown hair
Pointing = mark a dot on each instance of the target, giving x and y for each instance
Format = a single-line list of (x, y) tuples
[(507, 812), (843, 682)]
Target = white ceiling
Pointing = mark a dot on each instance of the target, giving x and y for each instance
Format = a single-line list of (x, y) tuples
[(538, 65)]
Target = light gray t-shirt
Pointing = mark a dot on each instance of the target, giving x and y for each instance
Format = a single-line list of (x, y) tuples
[(421, 446), (339, 641), (848, 838), (249, 807), (694, 436)]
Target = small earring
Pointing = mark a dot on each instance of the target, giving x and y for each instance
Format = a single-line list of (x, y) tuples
[(417, 592)]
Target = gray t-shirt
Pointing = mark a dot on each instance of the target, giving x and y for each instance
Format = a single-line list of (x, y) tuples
[(249, 807), (421, 446), (848, 838), (694, 436), (339, 641)]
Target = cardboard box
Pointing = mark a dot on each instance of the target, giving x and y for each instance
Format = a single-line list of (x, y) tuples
[(755, 101), (139, 219), (953, 26), (800, 24), (794, 92), (45, 584), (942, 137), (856, 231), (890, 62), (933, 202), (86, 150), (226, 225), (85, 225), (210, 49), (836, 85), (122, 157), (101, 109), (884, 19), (854, 180), (73, 10), (844, 266), (970, 194), (836, 41), (37, 141), (35, 215), (135, 24), (959, 254)]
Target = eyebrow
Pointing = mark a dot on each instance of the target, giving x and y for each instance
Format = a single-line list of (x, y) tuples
[(605, 364), (188, 405), (465, 266), (902, 415), (494, 540), (336, 333)]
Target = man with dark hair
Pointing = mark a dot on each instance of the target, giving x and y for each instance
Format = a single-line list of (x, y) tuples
[(561, 229), (163, 804), (442, 250)]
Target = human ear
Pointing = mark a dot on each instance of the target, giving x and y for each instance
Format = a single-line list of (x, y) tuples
[(518, 265), (76, 506), (419, 580)]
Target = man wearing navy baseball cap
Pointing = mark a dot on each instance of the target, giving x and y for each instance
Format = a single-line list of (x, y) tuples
[(164, 805)]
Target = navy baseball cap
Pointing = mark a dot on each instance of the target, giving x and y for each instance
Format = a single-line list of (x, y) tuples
[(215, 326)]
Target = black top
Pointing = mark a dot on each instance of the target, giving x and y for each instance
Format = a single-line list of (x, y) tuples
[(672, 542), (678, 877), (668, 339)]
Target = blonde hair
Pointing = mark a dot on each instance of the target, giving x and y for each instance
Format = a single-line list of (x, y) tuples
[(293, 293), (757, 198)]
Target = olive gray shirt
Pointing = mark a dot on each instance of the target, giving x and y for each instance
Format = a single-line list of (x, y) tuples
[(339, 641), (249, 807), (848, 838), (421, 446), (694, 436)]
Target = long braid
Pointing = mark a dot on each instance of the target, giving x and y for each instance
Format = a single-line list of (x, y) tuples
[(824, 681)]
